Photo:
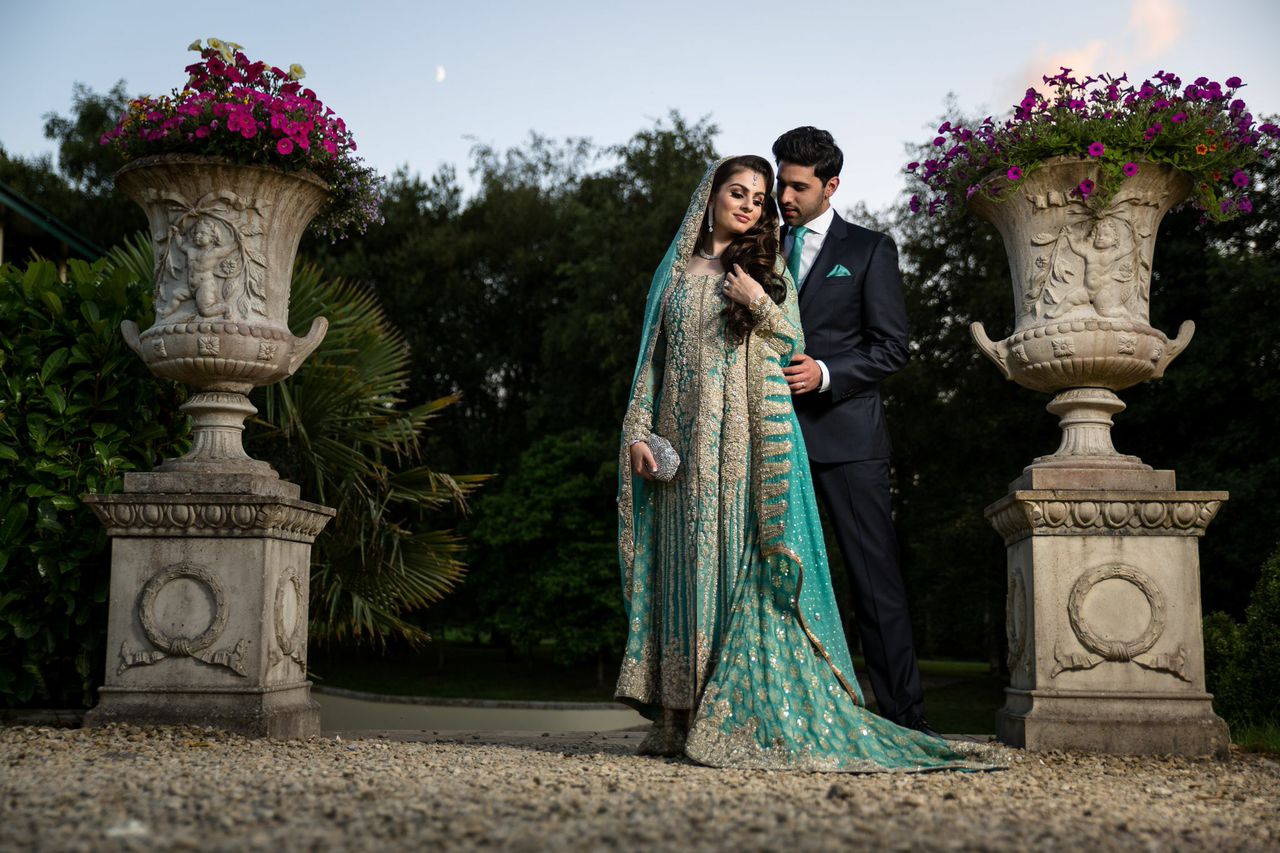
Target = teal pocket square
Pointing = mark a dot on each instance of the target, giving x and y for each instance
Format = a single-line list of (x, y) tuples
[(839, 269)]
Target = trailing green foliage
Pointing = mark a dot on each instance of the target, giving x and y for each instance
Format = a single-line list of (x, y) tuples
[(77, 410), (339, 428), (1242, 661)]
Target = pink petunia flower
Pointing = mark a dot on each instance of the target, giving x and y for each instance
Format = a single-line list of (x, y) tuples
[(1097, 149), (285, 146), (1086, 188), (1014, 173), (1130, 169)]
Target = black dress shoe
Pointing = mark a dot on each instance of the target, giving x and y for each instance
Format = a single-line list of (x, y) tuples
[(921, 725)]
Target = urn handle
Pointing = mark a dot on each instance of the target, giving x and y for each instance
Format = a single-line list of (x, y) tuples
[(132, 337), (1175, 347), (303, 347), (996, 351)]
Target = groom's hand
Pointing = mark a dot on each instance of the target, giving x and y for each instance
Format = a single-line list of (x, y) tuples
[(803, 375)]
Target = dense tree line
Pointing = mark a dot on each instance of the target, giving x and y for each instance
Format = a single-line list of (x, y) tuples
[(524, 297)]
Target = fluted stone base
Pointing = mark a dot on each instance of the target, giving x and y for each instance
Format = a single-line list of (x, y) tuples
[(1103, 613), (208, 607)]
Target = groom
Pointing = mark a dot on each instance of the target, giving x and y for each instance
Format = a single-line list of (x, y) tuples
[(855, 326)]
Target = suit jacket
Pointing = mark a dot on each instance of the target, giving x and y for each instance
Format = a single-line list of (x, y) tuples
[(857, 325)]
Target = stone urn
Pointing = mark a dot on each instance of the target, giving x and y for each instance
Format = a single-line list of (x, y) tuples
[(224, 238), (1081, 297)]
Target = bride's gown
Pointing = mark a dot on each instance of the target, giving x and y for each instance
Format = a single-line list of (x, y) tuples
[(733, 624)]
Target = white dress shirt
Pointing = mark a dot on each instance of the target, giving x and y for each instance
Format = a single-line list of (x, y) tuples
[(818, 228)]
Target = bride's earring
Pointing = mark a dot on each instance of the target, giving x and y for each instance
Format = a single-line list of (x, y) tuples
[(710, 220)]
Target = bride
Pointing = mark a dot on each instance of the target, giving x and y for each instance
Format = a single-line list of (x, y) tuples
[(735, 647)]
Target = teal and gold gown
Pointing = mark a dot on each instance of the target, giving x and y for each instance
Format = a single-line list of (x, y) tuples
[(735, 646)]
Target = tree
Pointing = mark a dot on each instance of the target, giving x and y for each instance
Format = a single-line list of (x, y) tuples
[(79, 189)]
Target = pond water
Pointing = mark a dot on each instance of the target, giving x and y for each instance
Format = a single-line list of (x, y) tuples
[(348, 713)]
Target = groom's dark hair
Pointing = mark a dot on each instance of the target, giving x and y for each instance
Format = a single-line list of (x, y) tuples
[(808, 146)]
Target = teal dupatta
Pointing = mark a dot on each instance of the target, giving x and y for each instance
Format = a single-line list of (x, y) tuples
[(782, 692)]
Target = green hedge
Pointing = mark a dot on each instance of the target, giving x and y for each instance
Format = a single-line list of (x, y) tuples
[(77, 410), (1242, 661)]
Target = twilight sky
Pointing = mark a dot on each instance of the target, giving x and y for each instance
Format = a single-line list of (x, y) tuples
[(419, 82)]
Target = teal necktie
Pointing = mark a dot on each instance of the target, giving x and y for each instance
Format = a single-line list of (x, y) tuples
[(793, 257)]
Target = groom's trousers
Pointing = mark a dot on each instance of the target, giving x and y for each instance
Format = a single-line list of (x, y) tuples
[(856, 497)]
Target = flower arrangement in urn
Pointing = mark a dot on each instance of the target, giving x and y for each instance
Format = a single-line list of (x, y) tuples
[(253, 113), (1077, 185), (1202, 130), (230, 170)]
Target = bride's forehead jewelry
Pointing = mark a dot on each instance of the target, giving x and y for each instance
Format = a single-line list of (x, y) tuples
[(755, 179)]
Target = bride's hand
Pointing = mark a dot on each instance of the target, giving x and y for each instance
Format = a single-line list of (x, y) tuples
[(741, 287), (642, 462)]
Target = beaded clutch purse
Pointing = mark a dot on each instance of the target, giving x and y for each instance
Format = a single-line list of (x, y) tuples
[(665, 455)]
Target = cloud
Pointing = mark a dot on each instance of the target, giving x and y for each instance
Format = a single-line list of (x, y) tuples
[(1085, 60), (1155, 26)]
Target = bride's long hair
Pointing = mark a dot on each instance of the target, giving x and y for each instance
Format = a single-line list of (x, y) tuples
[(756, 251)]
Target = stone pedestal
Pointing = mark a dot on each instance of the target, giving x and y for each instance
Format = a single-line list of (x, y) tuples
[(208, 610), (1104, 626)]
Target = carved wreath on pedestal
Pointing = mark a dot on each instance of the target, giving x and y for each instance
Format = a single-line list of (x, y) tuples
[(1119, 651), (1015, 627), (193, 647), (293, 644)]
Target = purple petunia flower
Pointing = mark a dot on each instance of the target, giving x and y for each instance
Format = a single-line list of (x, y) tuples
[(914, 204), (1244, 206), (1234, 82), (1130, 169), (912, 166), (1086, 187), (1097, 149), (1240, 179), (941, 140), (1014, 173), (1178, 118)]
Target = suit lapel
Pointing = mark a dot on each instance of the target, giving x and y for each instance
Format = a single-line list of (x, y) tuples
[(826, 259)]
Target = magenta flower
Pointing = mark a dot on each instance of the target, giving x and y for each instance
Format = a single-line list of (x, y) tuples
[(1014, 173), (285, 145), (1130, 169), (1178, 118), (1097, 149), (1234, 82), (912, 166), (1086, 187), (1240, 179), (941, 140), (914, 204), (1244, 206)]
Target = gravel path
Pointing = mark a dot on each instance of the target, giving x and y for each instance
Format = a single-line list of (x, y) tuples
[(124, 788)]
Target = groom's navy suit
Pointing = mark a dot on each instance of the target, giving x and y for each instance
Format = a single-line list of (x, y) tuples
[(855, 322)]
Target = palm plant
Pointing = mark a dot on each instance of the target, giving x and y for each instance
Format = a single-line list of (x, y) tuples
[(339, 428)]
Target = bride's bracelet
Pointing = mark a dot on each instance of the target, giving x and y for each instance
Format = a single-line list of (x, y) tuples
[(759, 302)]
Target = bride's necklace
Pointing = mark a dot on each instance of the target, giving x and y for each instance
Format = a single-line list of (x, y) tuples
[(708, 256)]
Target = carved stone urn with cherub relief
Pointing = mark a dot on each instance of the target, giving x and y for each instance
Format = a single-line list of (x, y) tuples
[(211, 552), (224, 239), (1103, 615), (1082, 295)]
